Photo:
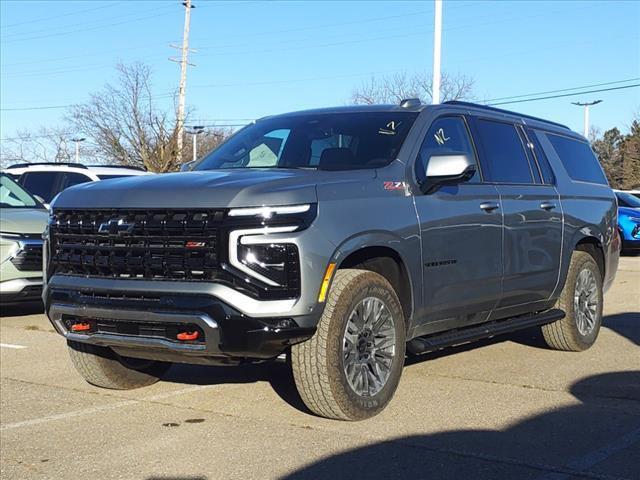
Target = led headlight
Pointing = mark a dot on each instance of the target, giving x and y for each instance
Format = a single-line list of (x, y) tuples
[(268, 212)]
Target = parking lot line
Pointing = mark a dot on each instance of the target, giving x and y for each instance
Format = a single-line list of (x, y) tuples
[(101, 408), (11, 345)]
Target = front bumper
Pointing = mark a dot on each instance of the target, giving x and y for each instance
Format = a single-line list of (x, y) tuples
[(144, 326), (21, 290)]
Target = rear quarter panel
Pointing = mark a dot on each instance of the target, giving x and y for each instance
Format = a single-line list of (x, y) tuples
[(590, 211)]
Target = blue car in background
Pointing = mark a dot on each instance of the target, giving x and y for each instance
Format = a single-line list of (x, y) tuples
[(629, 221)]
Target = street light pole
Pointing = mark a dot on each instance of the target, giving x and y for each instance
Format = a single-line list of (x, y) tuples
[(437, 44), (77, 141), (195, 131), (586, 106)]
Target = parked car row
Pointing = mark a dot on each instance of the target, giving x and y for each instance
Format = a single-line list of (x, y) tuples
[(25, 191)]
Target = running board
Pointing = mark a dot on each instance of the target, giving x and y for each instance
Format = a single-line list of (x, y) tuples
[(460, 336)]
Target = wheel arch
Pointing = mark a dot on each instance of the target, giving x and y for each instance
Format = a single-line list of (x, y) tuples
[(385, 260)]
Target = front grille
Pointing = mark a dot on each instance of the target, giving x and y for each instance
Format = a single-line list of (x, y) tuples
[(29, 259), (148, 244)]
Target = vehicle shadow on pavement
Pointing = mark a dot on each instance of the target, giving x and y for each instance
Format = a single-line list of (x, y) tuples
[(594, 439), (625, 324), (277, 373), (20, 309)]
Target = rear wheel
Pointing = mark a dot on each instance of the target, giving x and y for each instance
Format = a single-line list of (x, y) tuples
[(350, 368), (581, 299), (102, 367)]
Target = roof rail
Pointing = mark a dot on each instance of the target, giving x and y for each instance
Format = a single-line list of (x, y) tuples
[(64, 164), (129, 167), (500, 110)]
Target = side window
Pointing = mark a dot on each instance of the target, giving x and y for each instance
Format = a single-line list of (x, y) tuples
[(72, 178), (578, 159), (505, 160), (446, 135), (547, 174), (42, 184)]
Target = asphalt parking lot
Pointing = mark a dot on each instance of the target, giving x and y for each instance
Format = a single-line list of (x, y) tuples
[(502, 408)]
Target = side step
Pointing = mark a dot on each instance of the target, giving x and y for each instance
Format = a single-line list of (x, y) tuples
[(460, 336)]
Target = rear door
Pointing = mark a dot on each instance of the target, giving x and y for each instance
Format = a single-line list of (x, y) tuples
[(531, 209), (461, 232)]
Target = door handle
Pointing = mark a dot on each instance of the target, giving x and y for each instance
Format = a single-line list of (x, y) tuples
[(547, 206), (489, 206)]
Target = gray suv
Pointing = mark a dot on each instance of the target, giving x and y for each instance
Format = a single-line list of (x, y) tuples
[(346, 238)]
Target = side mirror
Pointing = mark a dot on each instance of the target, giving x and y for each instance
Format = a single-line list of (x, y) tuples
[(447, 169), (186, 167)]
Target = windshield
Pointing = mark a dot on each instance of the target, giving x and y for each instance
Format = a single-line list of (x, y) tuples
[(627, 200), (13, 195), (328, 141)]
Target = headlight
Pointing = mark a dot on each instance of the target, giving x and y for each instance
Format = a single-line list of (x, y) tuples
[(268, 212), (256, 253)]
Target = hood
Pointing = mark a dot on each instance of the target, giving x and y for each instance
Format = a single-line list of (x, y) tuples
[(631, 212), (23, 220), (206, 189)]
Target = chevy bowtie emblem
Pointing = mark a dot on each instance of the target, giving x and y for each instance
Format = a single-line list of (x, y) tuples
[(116, 227)]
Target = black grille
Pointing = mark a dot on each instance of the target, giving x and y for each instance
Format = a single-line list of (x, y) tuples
[(29, 259), (149, 244)]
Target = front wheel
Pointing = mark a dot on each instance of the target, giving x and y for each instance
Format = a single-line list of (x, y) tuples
[(581, 300), (350, 368), (102, 367)]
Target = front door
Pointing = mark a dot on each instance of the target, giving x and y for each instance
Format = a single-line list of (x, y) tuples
[(461, 230)]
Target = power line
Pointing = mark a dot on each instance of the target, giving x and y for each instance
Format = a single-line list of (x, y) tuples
[(565, 95), (562, 90), (68, 32), (75, 12)]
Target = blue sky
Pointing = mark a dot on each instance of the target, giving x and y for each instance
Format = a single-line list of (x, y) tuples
[(259, 58)]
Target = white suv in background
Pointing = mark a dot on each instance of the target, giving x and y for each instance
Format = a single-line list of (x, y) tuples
[(46, 180)]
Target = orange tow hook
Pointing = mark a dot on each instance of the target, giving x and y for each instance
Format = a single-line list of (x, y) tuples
[(80, 327), (185, 336)]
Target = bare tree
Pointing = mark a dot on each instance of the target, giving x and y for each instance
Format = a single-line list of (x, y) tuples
[(394, 88), (43, 145), (212, 138), (126, 126)]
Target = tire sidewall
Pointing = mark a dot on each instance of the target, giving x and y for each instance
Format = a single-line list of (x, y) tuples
[(584, 262), (368, 284)]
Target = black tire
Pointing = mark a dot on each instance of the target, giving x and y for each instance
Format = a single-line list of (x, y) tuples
[(318, 367), (565, 334), (102, 367)]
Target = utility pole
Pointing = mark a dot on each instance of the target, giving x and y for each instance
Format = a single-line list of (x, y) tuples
[(586, 106), (195, 131), (437, 47), (184, 62), (77, 141)]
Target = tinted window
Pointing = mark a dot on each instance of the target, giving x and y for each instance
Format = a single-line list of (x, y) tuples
[(578, 159), (505, 160), (327, 141), (543, 163), (42, 184), (13, 195), (446, 135), (71, 179)]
